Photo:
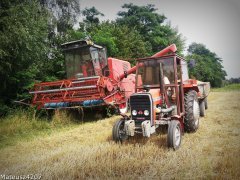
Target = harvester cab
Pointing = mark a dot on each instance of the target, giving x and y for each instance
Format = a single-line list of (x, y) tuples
[(165, 96), (84, 59)]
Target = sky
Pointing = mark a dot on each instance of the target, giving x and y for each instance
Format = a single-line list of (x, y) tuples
[(214, 23)]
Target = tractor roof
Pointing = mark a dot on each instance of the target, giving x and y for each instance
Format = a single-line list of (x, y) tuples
[(79, 43), (165, 56)]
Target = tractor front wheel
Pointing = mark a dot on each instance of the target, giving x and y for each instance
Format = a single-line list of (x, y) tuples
[(118, 131), (206, 102), (174, 135), (202, 108), (191, 121)]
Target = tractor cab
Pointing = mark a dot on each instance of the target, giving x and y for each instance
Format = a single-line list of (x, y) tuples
[(84, 59), (163, 77)]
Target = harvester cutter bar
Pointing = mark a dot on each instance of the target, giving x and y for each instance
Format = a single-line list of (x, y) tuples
[(73, 90)]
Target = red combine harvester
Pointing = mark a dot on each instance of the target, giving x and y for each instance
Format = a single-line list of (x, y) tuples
[(92, 80), (165, 96)]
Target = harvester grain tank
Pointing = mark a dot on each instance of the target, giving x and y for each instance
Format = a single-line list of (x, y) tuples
[(165, 96)]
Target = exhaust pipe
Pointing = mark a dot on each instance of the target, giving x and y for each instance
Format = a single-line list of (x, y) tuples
[(167, 110), (172, 48)]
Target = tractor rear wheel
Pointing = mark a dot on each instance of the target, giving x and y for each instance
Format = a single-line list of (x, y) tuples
[(202, 108), (191, 121), (118, 132), (174, 135)]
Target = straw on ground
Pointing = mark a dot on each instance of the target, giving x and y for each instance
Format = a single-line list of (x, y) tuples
[(87, 151)]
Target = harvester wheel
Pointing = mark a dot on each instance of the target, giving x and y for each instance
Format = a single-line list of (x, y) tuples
[(118, 132), (206, 103), (174, 135), (202, 108), (191, 121)]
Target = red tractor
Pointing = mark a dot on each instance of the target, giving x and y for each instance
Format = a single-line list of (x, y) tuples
[(165, 96), (92, 80)]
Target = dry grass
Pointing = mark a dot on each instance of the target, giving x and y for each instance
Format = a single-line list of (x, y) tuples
[(86, 151), (24, 124)]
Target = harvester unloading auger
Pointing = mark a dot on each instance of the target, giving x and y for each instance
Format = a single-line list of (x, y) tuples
[(92, 79)]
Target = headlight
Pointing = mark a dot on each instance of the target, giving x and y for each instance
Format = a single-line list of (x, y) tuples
[(134, 112), (146, 112)]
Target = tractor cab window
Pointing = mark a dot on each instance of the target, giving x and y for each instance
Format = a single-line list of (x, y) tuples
[(148, 71), (184, 70)]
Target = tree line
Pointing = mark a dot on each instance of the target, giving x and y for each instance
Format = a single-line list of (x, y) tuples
[(31, 32)]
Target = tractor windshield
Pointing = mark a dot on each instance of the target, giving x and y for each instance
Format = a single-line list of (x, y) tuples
[(85, 62), (148, 71)]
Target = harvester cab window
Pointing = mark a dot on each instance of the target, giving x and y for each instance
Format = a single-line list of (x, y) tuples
[(78, 63), (103, 57), (99, 59), (95, 60)]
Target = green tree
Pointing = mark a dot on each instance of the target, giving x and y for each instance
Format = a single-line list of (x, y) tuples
[(149, 24), (120, 41), (130, 43), (91, 15), (63, 14), (23, 33), (208, 65), (142, 18)]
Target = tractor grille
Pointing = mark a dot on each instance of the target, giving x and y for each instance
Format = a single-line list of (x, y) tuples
[(141, 102)]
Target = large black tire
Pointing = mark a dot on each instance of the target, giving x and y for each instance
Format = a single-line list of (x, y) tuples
[(206, 103), (202, 108), (191, 121), (118, 132), (174, 136)]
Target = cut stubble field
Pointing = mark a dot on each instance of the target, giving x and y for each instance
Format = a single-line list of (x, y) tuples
[(87, 150)]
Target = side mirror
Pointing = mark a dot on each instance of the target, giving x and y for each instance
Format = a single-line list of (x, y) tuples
[(192, 63)]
